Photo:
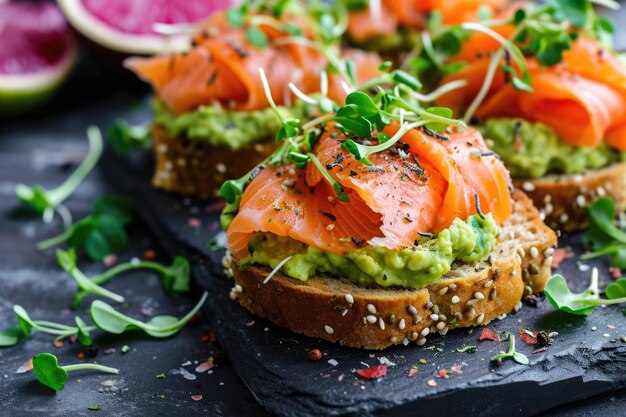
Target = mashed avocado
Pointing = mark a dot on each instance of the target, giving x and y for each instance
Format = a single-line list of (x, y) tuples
[(415, 267), (219, 127), (532, 150)]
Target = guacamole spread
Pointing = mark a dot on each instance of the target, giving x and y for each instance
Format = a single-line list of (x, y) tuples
[(532, 150), (219, 127), (414, 267)]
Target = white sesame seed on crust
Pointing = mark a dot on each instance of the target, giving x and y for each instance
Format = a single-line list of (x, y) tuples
[(455, 299), (434, 317), (425, 331), (601, 191), (528, 186), (429, 304), (329, 329), (521, 252), (371, 308), (371, 319), (412, 310), (381, 323), (534, 252), (547, 261), (443, 317), (436, 309), (479, 295), (549, 251), (563, 218), (349, 298), (443, 331), (488, 283), (441, 325), (421, 342), (580, 200), (238, 288), (442, 291), (401, 324), (480, 318)]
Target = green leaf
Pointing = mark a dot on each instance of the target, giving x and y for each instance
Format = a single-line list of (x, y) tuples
[(520, 358), (363, 102), (235, 16), (48, 372), (96, 246), (602, 215), (83, 332), (438, 111), (117, 207), (11, 336), (25, 323), (256, 37), (616, 289), (561, 298), (177, 279), (358, 126), (359, 151), (573, 10), (126, 138), (521, 85), (34, 197)]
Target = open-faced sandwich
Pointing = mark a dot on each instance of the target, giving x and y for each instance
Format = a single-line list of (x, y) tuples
[(548, 93), (211, 119), (380, 223)]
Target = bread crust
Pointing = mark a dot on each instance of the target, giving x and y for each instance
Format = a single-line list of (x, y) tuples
[(374, 318), (198, 169), (561, 199)]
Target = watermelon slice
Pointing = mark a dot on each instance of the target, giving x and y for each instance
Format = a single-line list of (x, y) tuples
[(128, 26), (37, 52)]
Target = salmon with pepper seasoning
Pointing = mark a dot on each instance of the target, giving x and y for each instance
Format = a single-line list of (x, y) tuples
[(418, 186)]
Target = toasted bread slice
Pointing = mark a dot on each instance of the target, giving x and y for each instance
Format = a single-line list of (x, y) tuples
[(338, 310), (198, 169), (561, 199)]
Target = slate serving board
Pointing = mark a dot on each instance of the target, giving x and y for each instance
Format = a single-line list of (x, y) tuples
[(588, 356)]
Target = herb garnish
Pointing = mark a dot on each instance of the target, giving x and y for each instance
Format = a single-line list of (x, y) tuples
[(47, 202), (125, 137), (49, 373), (102, 233), (582, 304), (603, 235), (511, 353)]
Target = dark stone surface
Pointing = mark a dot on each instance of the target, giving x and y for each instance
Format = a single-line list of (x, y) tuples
[(272, 361)]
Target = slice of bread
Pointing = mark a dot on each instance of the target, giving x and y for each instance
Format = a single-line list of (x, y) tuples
[(561, 199), (198, 169), (338, 310)]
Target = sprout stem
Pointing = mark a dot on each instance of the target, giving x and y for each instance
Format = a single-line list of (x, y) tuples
[(91, 366)]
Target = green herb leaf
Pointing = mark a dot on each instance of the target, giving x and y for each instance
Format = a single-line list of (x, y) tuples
[(573, 10), (438, 111), (235, 16), (48, 372), (126, 138), (83, 332), (616, 289), (95, 407), (25, 323), (364, 104), (562, 298), (467, 348), (11, 336), (176, 278), (256, 37), (511, 353)]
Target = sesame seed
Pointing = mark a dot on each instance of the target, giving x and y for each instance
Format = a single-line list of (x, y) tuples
[(548, 209), (443, 331), (533, 269), (371, 319), (480, 318), (528, 186), (600, 191), (381, 323), (429, 304), (521, 251), (329, 329), (412, 310), (442, 317), (413, 336), (442, 291), (425, 331), (436, 309), (434, 317), (455, 299), (471, 302), (441, 325), (330, 227), (479, 295), (528, 290), (488, 284), (393, 339), (548, 251), (517, 307), (564, 218), (492, 294), (349, 298), (233, 295), (580, 200), (371, 308), (392, 319), (519, 259), (534, 252), (401, 324), (421, 342), (238, 288), (547, 261), (542, 215), (220, 167)]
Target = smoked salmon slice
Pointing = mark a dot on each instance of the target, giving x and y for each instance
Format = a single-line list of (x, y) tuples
[(418, 186), (583, 98), (223, 67)]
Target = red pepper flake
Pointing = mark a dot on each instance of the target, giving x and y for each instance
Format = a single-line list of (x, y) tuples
[(559, 255), (443, 373), (194, 222), (541, 349), (58, 343), (377, 371), (528, 337), (488, 334), (196, 397), (110, 351), (315, 355), (615, 272), (218, 206), (28, 366), (457, 369), (411, 372), (81, 356), (149, 255), (109, 260), (431, 383)]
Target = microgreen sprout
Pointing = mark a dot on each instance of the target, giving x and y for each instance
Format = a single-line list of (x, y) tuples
[(110, 320), (125, 137), (26, 325), (101, 233), (582, 304), (511, 353), (175, 276), (49, 373), (604, 236), (47, 202)]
